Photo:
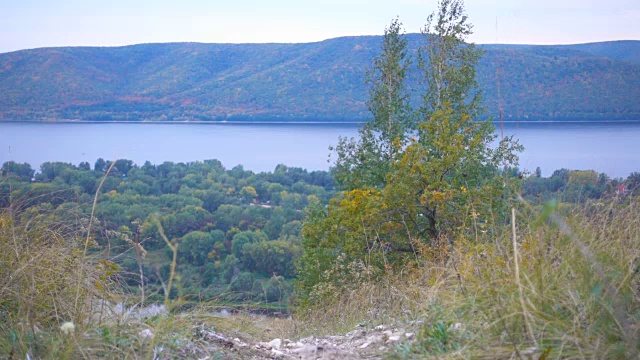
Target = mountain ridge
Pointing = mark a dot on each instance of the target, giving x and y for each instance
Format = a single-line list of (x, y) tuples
[(303, 81)]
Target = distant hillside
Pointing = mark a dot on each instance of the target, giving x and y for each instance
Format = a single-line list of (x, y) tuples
[(313, 81), (625, 50)]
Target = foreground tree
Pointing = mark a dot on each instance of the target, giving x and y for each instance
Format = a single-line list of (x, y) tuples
[(439, 180), (453, 170), (367, 161)]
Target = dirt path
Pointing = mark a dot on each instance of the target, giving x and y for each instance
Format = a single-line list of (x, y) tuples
[(357, 344)]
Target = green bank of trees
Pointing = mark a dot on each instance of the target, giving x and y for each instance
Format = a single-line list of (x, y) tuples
[(578, 186), (417, 177), (235, 229)]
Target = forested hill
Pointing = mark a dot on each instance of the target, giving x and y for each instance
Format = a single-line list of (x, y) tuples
[(306, 82)]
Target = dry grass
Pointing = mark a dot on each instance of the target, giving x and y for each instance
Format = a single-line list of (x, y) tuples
[(48, 277), (52, 272), (564, 282), (575, 292)]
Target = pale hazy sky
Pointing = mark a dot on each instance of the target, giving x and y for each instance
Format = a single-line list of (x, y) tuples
[(37, 23)]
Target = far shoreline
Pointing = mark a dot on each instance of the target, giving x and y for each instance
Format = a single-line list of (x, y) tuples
[(294, 122)]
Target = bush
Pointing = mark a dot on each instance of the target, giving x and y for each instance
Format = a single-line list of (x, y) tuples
[(47, 278)]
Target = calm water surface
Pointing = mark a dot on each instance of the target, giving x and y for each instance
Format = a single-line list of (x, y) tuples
[(613, 148)]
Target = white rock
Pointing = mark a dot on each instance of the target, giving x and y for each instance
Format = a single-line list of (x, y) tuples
[(146, 334), (277, 354), (305, 349), (409, 335), (240, 343), (291, 344), (365, 345), (394, 338), (456, 326), (67, 328), (275, 344), (380, 327)]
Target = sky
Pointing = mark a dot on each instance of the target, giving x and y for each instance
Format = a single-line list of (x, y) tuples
[(26, 24)]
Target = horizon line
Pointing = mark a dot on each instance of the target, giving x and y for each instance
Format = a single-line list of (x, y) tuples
[(296, 43)]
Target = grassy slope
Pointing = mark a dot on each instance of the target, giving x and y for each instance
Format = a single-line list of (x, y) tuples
[(323, 80), (574, 294), (561, 284)]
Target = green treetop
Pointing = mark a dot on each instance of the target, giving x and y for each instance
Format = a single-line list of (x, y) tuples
[(366, 162)]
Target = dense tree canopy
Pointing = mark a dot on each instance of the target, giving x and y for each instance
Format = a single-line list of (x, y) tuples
[(234, 229)]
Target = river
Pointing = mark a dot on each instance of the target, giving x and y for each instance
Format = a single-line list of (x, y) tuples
[(612, 148)]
